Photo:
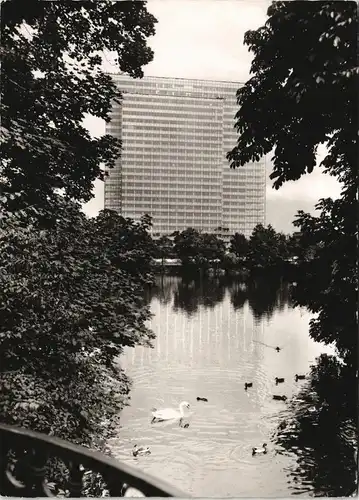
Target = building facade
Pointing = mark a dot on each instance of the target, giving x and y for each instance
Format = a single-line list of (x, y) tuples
[(175, 134)]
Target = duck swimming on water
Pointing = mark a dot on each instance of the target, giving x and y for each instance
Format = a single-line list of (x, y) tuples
[(257, 451), (299, 377), (279, 380), (202, 399), (280, 398), (140, 451), (248, 384)]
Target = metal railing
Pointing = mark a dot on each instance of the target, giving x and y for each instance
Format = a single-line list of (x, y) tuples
[(29, 452)]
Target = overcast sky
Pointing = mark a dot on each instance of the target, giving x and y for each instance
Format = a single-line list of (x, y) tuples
[(204, 39)]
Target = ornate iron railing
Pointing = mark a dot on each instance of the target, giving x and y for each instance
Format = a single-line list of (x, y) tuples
[(24, 456)]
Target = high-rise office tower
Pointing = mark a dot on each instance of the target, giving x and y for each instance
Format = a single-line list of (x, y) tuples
[(175, 135)]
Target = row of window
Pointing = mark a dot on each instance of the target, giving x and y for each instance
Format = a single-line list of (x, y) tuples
[(178, 83), (165, 100), (204, 171), (174, 211), (178, 191), (222, 117), (199, 199), (168, 163), (181, 182), (185, 198), (168, 167), (157, 194), (131, 169), (171, 205), (148, 136), (163, 193), (162, 128), (170, 105), (177, 142), (175, 151), (194, 94), (200, 210), (191, 92), (209, 177), (127, 114)]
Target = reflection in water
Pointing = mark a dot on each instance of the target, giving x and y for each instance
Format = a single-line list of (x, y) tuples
[(320, 428), (162, 290), (263, 294), (211, 337)]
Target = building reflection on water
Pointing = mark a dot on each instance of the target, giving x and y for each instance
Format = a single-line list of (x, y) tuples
[(212, 332)]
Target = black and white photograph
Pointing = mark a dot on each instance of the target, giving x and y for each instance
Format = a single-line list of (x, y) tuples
[(179, 248)]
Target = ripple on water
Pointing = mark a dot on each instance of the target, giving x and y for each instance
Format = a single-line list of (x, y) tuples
[(242, 453), (221, 432)]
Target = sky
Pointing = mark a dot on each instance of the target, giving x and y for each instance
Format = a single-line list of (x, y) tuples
[(204, 39)]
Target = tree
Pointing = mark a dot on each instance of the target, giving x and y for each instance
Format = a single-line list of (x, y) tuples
[(52, 78), (71, 297), (200, 249), (328, 280), (265, 247), (71, 289), (239, 246), (326, 466), (290, 105), (164, 248), (213, 248), (130, 243), (187, 246)]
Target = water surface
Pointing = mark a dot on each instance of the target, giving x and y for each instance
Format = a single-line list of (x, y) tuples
[(210, 338)]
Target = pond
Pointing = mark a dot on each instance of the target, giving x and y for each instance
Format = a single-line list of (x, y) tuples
[(212, 337)]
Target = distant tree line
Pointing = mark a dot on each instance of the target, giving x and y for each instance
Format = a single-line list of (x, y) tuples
[(265, 248)]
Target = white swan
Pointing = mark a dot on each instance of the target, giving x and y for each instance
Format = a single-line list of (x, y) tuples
[(140, 451), (169, 413)]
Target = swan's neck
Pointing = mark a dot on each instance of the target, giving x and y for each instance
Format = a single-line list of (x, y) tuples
[(181, 409)]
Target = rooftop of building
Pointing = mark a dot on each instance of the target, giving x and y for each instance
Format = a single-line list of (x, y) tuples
[(149, 77)]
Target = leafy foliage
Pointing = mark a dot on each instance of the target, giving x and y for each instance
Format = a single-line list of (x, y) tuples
[(70, 300), (286, 95), (266, 247), (321, 431), (239, 246), (71, 289), (193, 247), (289, 106), (52, 77), (164, 248), (328, 281)]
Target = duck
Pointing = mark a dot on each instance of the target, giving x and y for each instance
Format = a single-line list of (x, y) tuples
[(140, 451), (202, 399), (170, 413), (277, 349), (248, 384), (279, 380), (280, 398), (299, 377), (257, 451)]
